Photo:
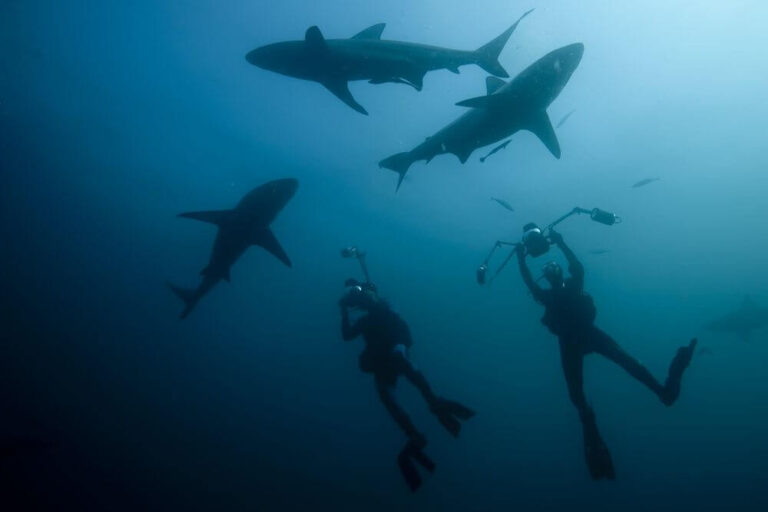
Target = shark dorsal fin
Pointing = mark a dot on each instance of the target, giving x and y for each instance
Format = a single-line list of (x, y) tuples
[(372, 32), (493, 84), (314, 38)]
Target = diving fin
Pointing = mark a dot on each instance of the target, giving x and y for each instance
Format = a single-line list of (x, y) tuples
[(447, 412), (599, 461), (680, 362), (405, 460), (596, 454)]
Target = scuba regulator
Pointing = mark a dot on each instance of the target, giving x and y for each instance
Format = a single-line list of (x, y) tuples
[(536, 243)]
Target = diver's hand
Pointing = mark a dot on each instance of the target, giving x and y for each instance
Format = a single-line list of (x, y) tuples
[(556, 237), (520, 251)]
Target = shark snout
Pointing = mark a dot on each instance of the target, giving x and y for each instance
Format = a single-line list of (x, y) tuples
[(258, 57)]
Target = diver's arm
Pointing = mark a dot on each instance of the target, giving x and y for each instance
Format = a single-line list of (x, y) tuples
[(536, 291), (575, 267), (349, 331)]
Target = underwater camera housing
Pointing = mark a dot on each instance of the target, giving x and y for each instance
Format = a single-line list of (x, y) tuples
[(353, 252), (534, 240), (537, 243)]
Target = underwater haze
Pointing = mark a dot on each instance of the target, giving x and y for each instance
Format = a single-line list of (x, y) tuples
[(117, 116)]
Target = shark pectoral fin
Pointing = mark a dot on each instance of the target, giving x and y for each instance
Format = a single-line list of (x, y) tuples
[(372, 32), (493, 84), (314, 39), (213, 216), (541, 126), (463, 155), (340, 89), (479, 102), (266, 239), (398, 163)]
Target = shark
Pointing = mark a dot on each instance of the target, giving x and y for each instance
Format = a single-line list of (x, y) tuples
[(366, 56), (247, 224), (508, 107), (743, 321)]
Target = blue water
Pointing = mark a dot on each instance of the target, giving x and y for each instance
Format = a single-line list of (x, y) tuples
[(116, 116)]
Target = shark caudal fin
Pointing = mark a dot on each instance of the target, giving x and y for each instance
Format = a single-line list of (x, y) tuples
[(487, 56), (398, 163), (188, 296)]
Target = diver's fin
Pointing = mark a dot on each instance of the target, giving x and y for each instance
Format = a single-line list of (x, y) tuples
[(679, 363), (341, 90), (266, 239), (450, 423), (493, 84), (487, 56), (460, 411), (541, 126), (597, 456), (372, 32), (409, 471), (398, 163), (217, 217), (314, 39), (185, 294), (422, 458), (599, 460)]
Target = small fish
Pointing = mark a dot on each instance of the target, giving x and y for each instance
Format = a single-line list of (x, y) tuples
[(565, 118), (503, 203), (496, 149), (599, 251), (703, 351), (645, 182)]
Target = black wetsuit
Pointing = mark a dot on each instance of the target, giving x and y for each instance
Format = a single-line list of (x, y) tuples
[(570, 315), (387, 338)]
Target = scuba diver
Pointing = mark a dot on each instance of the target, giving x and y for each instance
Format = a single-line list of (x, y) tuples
[(387, 340), (570, 315)]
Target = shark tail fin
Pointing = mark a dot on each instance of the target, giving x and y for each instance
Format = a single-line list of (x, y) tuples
[(487, 56), (398, 163), (185, 294)]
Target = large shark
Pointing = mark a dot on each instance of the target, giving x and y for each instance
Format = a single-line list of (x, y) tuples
[(508, 107), (365, 56), (245, 225), (741, 322)]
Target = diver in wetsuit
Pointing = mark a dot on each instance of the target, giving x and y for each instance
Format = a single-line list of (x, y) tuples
[(570, 314), (387, 339)]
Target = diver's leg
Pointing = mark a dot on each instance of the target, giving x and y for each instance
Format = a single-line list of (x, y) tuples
[(597, 456), (604, 345), (406, 368), (447, 411), (385, 388)]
